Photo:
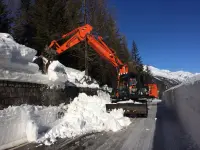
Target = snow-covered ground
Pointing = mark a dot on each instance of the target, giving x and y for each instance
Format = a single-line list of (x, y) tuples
[(178, 75), (17, 123), (59, 73), (16, 65), (85, 114)]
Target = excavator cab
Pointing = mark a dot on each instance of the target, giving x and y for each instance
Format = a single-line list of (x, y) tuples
[(131, 86)]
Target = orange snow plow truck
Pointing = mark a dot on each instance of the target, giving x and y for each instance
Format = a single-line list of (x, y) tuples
[(130, 85)]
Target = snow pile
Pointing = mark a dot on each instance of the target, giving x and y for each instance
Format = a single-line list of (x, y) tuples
[(24, 77), (58, 72), (84, 115), (178, 75), (31, 131), (16, 57), (20, 124)]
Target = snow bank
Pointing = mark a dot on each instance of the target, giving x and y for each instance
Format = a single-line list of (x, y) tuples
[(84, 115), (25, 123), (31, 131), (20, 124), (14, 56), (184, 99), (177, 75), (58, 72)]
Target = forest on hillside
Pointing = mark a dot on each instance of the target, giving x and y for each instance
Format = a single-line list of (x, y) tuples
[(36, 23)]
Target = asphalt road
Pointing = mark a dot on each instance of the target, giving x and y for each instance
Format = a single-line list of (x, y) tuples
[(160, 131)]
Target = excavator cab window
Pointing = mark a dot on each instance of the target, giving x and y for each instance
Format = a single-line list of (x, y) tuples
[(132, 86), (123, 86), (132, 81)]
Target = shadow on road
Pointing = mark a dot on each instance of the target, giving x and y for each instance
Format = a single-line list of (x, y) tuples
[(169, 134)]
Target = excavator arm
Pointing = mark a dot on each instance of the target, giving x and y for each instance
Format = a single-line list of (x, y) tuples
[(84, 33), (77, 36)]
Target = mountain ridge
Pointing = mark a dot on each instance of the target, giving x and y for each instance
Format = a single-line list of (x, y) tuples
[(172, 75)]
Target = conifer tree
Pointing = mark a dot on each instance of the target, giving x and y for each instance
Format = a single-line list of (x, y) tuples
[(136, 58), (5, 20), (23, 28)]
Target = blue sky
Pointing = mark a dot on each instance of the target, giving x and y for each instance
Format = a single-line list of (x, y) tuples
[(167, 32)]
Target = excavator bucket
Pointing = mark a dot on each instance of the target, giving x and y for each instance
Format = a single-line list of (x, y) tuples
[(48, 55), (130, 109)]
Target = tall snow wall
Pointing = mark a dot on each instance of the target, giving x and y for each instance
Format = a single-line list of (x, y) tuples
[(14, 121), (184, 99)]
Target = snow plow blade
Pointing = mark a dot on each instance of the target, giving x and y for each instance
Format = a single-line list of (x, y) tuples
[(130, 109)]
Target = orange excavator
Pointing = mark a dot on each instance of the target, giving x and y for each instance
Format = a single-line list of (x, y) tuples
[(129, 84)]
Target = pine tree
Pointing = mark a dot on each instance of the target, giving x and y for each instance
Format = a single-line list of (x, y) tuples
[(49, 19), (104, 25), (52, 19), (124, 53), (135, 54), (97, 17), (147, 74), (136, 58), (148, 71), (5, 20), (23, 29)]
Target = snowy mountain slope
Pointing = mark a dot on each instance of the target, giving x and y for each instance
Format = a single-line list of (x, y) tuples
[(176, 76)]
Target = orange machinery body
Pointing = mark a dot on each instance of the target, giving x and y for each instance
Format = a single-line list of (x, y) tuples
[(83, 33), (153, 90)]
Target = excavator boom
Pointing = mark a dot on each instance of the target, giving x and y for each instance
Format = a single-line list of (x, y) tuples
[(84, 33), (78, 35)]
